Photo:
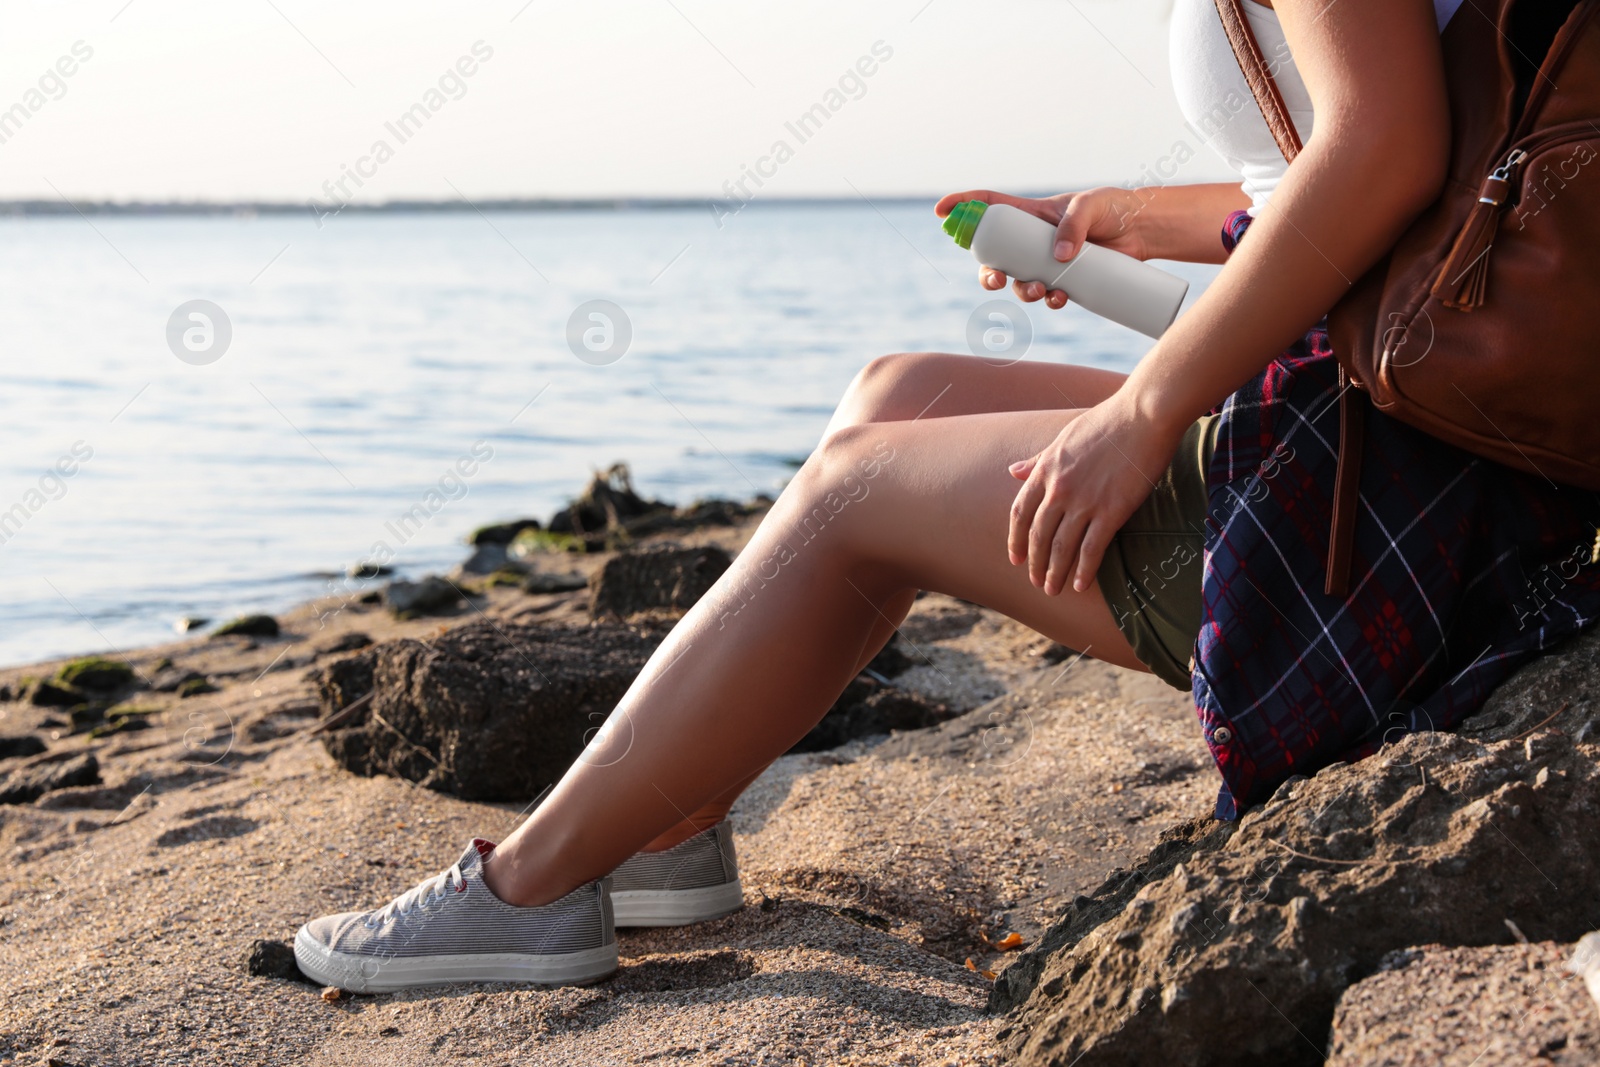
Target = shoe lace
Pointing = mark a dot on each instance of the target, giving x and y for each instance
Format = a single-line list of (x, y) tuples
[(423, 894)]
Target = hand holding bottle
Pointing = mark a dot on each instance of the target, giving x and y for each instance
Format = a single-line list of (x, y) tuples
[(1107, 216), (1109, 283)]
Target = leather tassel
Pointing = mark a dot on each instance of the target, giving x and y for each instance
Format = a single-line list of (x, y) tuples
[(1464, 279), (1465, 275)]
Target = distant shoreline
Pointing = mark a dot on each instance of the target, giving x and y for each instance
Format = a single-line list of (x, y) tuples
[(246, 208)]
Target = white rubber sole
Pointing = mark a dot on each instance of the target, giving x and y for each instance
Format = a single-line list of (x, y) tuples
[(368, 974), (676, 907)]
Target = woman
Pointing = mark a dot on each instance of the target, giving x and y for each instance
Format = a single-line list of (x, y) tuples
[(1173, 520)]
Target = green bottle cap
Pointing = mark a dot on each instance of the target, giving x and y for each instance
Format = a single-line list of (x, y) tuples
[(962, 221)]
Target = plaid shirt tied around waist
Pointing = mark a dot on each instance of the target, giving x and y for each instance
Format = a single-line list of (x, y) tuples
[(1462, 570)]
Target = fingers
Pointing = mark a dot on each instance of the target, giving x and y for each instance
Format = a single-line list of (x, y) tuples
[(1047, 525), (1028, 292), (990, 278), (1023, 467), (1023, 510), (1050, 567), (1090, 553), (1048, 208), (988, 196), (1073, 228)]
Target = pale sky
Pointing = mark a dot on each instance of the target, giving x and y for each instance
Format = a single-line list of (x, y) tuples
[(269, 99)]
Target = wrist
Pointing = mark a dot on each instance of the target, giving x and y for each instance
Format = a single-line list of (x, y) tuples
[(1127, 209), (1162, 412)]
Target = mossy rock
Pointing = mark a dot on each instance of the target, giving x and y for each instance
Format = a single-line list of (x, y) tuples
[(85, 716), (125, 711), (249, 626), (195, 687), (530, 542), (501, 533), (95, 672), (503, 576), (125, 718)]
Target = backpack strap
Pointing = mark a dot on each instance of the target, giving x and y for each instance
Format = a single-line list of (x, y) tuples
[(1258, 75), (1352, 408)]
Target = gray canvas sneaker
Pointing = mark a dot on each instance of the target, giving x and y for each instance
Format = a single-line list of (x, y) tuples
[(451, 928), (692, 881)]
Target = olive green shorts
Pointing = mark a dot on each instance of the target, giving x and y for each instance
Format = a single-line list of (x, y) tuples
[(1151, 572)]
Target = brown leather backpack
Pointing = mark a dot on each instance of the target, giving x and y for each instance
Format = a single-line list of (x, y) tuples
[(1475, 328)]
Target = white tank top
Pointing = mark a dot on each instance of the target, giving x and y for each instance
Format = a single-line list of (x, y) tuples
[(1215, 99)]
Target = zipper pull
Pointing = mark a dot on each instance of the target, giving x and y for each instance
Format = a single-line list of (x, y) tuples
[(1497, 186), (1464, 278)]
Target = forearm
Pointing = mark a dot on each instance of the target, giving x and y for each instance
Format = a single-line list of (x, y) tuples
[(1183, 222), (1326, 224)]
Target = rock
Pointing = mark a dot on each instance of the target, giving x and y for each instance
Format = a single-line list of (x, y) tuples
[(348, 642), (6, 694), (1056, 652), (19, 747), (249, 626), (367, 569), (531, 544), (607, 503), (487, 711), (498, 711), (32, 780), (51, 695), (95, 673), (699, 514), (1565, 684), (123, 723), (714, 512), (868, 707), (661, 578), (85, 716), (170, 678), (193, 687), (540, 582), (500, 533), (274, 959), (191, 623), (1244, 948), (1495, 1004), (1017, 982), (430, 595), (486, 559)]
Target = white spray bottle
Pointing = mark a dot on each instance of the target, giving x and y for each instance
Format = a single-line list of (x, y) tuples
[(1098, 279)]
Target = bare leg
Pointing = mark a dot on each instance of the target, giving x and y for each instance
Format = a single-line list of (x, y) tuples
[(880, 509), (914, 385), (908, 386)]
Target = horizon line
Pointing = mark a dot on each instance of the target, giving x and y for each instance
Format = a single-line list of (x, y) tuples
[(58, 206)]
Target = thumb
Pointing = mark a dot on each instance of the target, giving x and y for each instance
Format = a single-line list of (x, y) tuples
[(1072, 229), (1023, 467)]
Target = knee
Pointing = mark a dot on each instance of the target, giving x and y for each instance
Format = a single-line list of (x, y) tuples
[(843, 467), (888, 387)]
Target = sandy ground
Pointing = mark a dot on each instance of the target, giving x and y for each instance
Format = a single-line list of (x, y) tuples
[(872, 873)]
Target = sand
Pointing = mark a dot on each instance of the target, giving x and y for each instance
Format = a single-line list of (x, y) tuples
[(872, 872)]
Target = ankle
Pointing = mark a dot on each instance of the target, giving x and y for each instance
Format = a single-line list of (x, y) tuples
[(509, 881), (677, 835)]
